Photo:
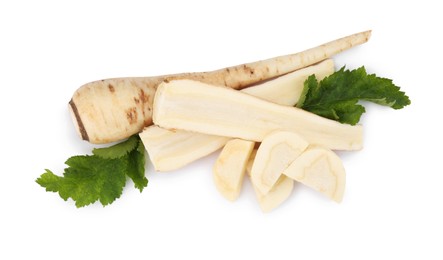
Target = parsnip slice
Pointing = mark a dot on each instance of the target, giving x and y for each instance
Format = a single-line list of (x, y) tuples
[(251, 161), (195, 106), (320, 169), (277, 195), (173, 149), (229, 168), (277, 151)]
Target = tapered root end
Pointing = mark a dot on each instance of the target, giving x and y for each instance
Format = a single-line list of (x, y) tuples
[(368, 34), (76, 119)]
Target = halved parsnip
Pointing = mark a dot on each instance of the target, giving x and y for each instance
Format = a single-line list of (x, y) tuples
[(278, 193), (172, 149), (277, 151), (286, 90), (320, 169), (195, 106), (229, 168)]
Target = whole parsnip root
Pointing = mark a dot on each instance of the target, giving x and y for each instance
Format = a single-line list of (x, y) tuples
[(113, 109)]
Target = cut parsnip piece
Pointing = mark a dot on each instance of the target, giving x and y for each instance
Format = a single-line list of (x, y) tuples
[(199, 107), (320, 169), (229, 168), (251, 161), (278, 193), (286, 90), (173, 149), (277, 151)]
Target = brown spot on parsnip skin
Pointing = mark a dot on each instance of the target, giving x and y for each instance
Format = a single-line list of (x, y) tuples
[(136, 100), (131, 115), (111, 88), (248, 69), (144, 104), (143, 97)]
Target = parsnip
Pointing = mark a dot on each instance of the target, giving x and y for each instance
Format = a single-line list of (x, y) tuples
[(113, 109), (195, 106), (172, 149), (278, 193), (286, 90), (320, 169), (229, 168), (251, 160), (277, 151)]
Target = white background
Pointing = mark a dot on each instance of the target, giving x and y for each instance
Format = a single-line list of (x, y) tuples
[(392, 207)]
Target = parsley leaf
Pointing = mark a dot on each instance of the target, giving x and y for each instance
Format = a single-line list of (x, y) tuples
[(101, 176), (336, 96), (136, 167), (118, 150), (88, 179)]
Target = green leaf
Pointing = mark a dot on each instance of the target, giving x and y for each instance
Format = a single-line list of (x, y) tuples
[(101, 176), (88, 179), (50, 181), (117, 150), (337, 96), (136, 167)]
